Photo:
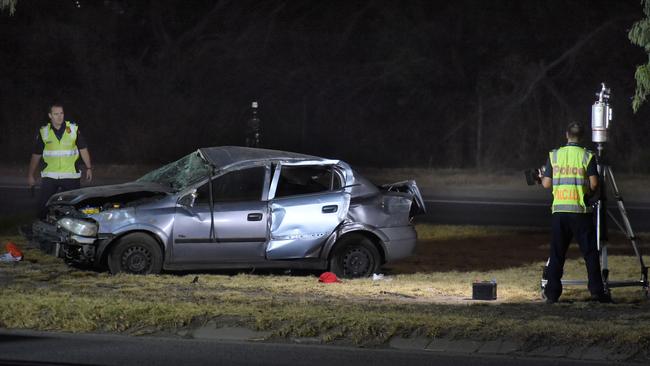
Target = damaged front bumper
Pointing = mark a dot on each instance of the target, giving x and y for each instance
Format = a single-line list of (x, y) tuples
[(61, 243)]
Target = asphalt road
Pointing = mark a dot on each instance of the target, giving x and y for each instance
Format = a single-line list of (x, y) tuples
[(472, 211), (40, 348), (17, 200), (457, 211)]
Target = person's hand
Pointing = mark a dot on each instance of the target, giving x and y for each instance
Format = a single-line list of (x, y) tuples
[(31, 181), (89, 175)]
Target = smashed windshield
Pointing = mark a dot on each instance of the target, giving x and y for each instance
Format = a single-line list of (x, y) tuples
[(181, 173)]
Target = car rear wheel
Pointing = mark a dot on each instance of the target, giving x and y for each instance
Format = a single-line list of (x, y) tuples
[(136, 253), (354, 256)]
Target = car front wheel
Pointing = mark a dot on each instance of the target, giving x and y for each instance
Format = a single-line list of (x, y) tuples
[(136, 253), (354, 256)]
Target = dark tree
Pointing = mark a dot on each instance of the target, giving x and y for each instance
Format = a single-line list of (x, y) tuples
[(428, 83), (8, 4), (640, 36)]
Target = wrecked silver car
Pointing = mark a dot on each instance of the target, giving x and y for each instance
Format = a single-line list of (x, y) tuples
[(236, 207)]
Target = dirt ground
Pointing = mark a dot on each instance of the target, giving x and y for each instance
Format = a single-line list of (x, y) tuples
[(490, 253)]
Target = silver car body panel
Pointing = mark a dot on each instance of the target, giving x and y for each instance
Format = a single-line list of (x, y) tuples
[(299, 225), (273, 231), (235, 237)]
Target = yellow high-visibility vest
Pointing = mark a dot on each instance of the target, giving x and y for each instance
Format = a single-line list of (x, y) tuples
[(570, 180), (60, 155)]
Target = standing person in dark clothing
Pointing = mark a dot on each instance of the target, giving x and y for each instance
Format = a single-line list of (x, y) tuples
[(60, 144), (571, 171)]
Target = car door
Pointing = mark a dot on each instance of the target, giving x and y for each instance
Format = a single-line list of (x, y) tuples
[(307, 202), (239, 220)]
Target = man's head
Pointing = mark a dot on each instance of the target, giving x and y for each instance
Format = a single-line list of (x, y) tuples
[(56, 114), (574, 132)]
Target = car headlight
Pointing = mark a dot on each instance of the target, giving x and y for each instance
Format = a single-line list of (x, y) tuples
[(79, 227)]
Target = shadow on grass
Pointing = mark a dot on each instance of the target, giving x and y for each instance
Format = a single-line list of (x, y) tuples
[(491, 253), (10, 225)]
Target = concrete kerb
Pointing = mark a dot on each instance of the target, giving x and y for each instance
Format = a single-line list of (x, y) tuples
[(211, 331), (518, 348), (447, 344)]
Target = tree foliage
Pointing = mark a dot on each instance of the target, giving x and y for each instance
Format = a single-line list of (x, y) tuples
[(8, 4), (640, 36)]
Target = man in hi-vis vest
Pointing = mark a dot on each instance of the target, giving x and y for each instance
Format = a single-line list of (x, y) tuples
[(572, 172), (60, 144)]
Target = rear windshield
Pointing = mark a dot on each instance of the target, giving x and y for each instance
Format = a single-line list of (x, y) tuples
[(181, 173)]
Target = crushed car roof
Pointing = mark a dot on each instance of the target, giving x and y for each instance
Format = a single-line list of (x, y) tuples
[(223, 156)]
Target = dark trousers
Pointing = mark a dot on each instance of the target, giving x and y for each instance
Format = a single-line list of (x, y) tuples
[(50, 186), (567, 226)]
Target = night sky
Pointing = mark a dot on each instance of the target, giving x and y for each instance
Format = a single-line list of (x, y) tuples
[(487, 84)]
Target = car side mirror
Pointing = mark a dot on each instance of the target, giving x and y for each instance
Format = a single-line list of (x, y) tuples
[(187, 200)]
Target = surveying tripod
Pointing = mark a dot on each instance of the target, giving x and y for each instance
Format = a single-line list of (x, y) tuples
[(607, 176), (600, 207)]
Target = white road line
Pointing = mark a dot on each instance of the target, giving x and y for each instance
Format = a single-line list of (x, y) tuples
[(467, 202), (611, 205)]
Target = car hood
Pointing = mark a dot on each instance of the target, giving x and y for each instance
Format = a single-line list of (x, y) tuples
[(75, 196)]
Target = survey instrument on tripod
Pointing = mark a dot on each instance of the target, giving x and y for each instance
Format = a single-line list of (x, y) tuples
[(601, 121)]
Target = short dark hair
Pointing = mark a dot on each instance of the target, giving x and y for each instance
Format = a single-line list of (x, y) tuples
[(575, 130), (55, 104)]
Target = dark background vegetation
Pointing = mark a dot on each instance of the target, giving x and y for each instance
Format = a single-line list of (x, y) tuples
[(488, 84)]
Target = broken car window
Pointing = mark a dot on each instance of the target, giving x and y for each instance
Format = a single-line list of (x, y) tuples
[(296, 180), (179, 174), (240, 185)]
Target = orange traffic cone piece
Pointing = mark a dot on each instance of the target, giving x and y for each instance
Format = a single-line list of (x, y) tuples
[(13, 250)]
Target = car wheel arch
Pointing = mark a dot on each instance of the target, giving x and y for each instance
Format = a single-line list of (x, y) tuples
[(374, 239), (105, 248)]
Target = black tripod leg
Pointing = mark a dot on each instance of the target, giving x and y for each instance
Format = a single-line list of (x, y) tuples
[(627, 227)]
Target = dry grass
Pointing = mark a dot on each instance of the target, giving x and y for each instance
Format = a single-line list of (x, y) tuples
[(455, 232), (43, 293)]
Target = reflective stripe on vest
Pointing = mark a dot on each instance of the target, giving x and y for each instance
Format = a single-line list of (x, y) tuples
[(60, 152), (60, 175), (569, 166), (574, 181), (60, 156)]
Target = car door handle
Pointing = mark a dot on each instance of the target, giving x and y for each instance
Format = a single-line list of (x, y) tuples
[(330, 208), (255, 216)]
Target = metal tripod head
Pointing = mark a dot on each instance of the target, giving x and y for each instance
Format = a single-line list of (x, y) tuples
[(601, 116)]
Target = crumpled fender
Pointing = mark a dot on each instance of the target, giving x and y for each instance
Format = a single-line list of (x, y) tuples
[(124, 230), (348, 227)]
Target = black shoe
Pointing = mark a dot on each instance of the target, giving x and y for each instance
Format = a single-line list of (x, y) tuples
[(602, 298)]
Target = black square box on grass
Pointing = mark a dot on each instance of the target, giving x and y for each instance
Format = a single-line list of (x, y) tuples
[(484, 290)]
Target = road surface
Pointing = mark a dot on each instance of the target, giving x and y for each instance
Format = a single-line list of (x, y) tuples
[(41, 348), (486, 211)]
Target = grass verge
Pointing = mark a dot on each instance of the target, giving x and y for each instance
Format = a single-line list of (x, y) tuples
[(43, 293)]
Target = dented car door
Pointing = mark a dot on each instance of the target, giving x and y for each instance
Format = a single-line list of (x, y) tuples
[(307, 202), (237, 228)]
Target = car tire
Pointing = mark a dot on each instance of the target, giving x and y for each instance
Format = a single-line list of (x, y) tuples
[(136, 253), (354, 256)]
